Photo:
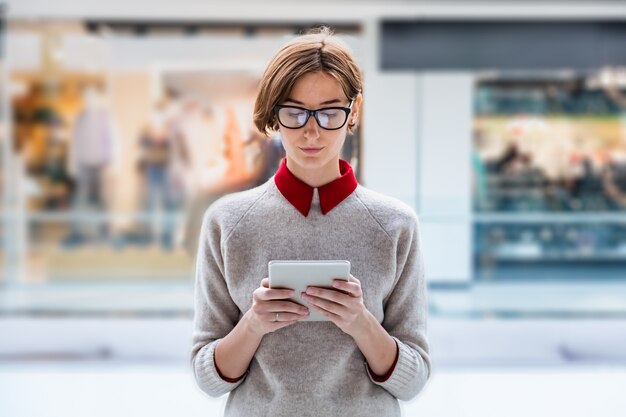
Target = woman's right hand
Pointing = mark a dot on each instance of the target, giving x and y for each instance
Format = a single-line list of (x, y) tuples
[(269, 304)]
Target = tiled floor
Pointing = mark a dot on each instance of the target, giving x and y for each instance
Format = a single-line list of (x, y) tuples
[(160, 390)]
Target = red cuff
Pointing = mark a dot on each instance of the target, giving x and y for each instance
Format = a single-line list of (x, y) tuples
[(383, 378), (225, 378)]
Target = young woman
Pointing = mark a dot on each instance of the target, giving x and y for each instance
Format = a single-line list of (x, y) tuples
[(248, 339)]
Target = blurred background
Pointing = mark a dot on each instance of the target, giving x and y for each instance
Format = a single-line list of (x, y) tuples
[(503, 124)]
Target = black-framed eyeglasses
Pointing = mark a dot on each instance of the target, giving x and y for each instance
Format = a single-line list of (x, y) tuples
[(329, 118)]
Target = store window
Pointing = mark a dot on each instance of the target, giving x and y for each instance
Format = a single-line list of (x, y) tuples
[(123, 135), (549, 175)]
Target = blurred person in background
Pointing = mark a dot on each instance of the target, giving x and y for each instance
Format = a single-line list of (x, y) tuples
[(248, 339), (57, 178), (163, 157), (614, 180), (614, 172)]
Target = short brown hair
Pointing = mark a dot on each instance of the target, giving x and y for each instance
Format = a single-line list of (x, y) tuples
[(316, 51)]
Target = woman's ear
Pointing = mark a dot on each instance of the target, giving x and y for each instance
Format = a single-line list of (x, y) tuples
[(356, 108)]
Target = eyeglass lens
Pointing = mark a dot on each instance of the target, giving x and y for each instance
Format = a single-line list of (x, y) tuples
[(327, 118)]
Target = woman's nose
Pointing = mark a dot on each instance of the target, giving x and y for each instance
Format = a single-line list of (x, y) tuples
[(311, 128)]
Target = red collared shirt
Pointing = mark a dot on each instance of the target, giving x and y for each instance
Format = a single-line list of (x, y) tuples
[(300, 194)]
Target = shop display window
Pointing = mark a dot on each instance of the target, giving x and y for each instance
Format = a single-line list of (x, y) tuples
[(114, 167), (549, 176)]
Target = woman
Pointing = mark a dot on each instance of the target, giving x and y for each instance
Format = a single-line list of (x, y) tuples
[(249, 339)]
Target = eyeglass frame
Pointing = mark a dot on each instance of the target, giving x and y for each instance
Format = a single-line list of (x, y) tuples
[(347, 110)]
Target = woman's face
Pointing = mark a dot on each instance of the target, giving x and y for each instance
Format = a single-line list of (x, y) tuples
[(311, 147)]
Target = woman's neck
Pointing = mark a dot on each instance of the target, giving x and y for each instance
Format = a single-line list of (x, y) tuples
[(318, 177)]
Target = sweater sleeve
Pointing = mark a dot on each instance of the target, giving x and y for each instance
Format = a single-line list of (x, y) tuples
[(215, 313), (406, 310)]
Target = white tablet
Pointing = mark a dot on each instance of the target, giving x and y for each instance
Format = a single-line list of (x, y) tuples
[(298, 275)]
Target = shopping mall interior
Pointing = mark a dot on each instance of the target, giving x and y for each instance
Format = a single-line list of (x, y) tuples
[(501, 123)]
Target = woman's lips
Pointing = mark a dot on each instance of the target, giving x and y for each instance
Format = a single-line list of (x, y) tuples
[(311, 151)]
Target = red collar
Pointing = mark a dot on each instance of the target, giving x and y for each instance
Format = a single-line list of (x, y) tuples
[(300, 194)]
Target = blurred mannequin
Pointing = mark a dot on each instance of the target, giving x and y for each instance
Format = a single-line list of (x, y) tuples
[(91, 151)]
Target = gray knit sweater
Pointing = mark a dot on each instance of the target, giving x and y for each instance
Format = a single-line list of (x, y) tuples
[(311, 368)]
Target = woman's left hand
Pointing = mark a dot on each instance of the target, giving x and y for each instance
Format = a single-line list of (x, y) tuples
[(342, 305)]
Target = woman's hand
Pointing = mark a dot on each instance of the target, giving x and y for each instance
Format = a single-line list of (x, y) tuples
[(272, 310), (342, 305)]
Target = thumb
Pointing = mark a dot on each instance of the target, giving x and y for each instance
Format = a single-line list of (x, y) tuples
[(351, 278)]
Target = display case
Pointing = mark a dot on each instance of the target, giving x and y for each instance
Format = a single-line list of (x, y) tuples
[(549, 177)]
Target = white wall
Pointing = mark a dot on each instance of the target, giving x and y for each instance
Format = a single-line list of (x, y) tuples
[(389, 135), (417, 143), (444, 173)]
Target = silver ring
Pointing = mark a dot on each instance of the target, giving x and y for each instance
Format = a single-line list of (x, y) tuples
[(276, 318)]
